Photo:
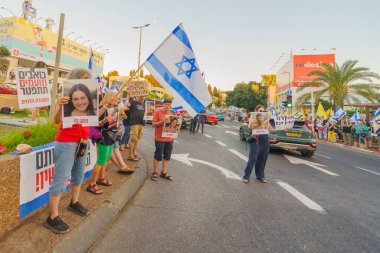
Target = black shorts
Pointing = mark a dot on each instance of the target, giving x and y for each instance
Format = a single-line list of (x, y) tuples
[(164, 148)]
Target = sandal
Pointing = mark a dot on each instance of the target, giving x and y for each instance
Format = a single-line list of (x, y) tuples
[(104, 181), (126, 170), (166, 176), (133, 159), (154, 176), (94, 189), (137, 157)]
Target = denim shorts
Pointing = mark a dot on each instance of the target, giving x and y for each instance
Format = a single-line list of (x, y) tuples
[(67, 165)]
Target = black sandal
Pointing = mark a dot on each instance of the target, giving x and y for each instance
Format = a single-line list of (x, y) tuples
[(154, 176), (166, 176)]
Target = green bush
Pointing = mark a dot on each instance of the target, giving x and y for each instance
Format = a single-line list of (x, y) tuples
[(40, 134)]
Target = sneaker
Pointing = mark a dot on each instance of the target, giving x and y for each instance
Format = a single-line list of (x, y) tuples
[(57, 225), (77, 208)]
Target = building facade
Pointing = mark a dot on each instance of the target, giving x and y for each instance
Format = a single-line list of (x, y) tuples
[(295, 71)]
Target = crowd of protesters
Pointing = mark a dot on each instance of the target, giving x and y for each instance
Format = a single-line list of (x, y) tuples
[(358, 134), (112, 135)]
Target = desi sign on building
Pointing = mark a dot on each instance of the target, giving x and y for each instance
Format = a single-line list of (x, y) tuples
[(304, 64)]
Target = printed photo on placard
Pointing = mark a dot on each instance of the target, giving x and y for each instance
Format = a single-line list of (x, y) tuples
[(114, 113), (33, 88), (149, 110), (260, 123), (83, 105), (171, 126)]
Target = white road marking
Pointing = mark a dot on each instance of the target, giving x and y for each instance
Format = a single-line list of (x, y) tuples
[(301, 197), (322, 156), (187, 160), (229, 132), (225, 126), (235, 127), (245, 158), (221, 143), (316, 166), (360, 168), (208, 136)]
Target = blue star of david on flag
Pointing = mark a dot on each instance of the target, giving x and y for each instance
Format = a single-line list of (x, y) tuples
[(186, 62)]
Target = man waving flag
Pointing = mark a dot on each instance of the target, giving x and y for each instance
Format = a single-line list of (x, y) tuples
[(175, 67)]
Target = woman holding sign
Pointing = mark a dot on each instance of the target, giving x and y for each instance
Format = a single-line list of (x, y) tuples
[(70, 153), (258, 149)]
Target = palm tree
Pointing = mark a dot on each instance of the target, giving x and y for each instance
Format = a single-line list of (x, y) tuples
[(270, 81), (343, 85)]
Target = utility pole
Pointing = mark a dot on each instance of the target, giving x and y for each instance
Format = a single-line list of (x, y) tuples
[(56, 67), (140, 27)]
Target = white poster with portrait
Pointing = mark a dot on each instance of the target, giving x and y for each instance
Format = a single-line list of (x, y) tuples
[(114, 113), (83, 105), (33, 88), (149, 110), (171, 126), (260, 123)]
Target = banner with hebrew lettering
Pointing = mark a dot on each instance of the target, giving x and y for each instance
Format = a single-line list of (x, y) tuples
[(284, 122), (36, 175), (33, 88)]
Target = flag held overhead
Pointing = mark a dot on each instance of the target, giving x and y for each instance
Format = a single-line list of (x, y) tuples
[(175, 67)]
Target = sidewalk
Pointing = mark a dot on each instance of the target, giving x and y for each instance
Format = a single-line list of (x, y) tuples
[(374, 149), (18, 122), (31, 236)]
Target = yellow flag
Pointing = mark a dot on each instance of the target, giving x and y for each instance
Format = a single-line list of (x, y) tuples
[(321, 111)]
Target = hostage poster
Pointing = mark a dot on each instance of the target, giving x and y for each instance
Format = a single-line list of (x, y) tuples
[(284, 122), (260, 123), (83, 105), (171, 126), (33, 87)]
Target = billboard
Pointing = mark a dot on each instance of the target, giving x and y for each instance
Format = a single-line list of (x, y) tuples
[(304, 64), (27, 40)]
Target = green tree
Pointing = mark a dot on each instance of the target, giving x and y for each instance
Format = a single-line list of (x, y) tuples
[(243, 96), (344, 84), (215, 92), (209, 89), (111, 73), (4, 62), (152, 81)]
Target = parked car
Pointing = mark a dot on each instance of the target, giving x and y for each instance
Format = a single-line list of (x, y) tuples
[(299, 138), (220, 116), (211, 118), (7, 90)]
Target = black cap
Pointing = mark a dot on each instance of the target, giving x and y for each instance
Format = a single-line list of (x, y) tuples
[(167, 101)]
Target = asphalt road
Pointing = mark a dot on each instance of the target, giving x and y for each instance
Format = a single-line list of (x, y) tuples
[(327, 203)]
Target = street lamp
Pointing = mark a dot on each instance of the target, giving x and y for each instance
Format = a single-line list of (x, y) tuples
[(98, 47), (93, 44), (77, 38), (8, 10), (67, 35), (86, 41), (140, 27)]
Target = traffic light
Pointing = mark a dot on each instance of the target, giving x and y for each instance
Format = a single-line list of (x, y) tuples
[(288, 102)]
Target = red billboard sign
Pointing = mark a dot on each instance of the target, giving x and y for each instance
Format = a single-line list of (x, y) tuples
[(304, 64)]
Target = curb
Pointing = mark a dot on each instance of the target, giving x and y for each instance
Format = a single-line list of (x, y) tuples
[(360, 150), (86, 234)]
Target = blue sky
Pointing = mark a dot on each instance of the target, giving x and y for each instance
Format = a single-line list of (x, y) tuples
[(234, 41)]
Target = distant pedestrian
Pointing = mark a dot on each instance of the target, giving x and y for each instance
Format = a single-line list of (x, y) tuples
[(201, 120), (346, 130), (164, 145), (193, 124), (126, 116), (258, 153)]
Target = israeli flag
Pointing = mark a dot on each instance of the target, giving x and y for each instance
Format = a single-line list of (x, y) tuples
[(339, 113), (93, 67), (356, 117), (175, 67), (376, 116)]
